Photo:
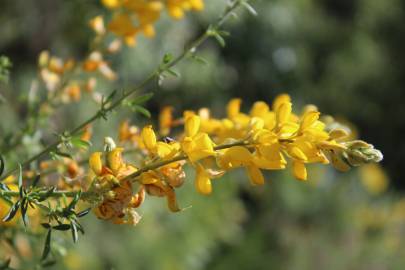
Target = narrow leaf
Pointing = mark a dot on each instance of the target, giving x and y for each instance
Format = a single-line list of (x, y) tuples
[(4, 187), (220, 39), (75, 235), (24, 208), (2, 163), (79, 143), (63, 154), (141, 110), (173, 73), (20, 187), (36, 180), (83, 213), (249, 8), (46, 225), (12, 212), (62, 227), (142, 99), (47, 246)]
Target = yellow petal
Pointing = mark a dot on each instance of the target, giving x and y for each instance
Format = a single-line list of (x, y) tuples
[(114, 159), (192, 125), (111, 3), (198, 147), (95, 163), (233, 157), (255, 175), (149, 138), (279, 100), (259, 109), (284, 113), (233, 107), (296, 153), (164, 150), (308, 119), (203, 182), (338, 133), (300, 172), (149, 178)]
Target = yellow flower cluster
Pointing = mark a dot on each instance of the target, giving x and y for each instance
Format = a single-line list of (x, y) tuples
[(263, 139), (132, 17), (118, 199)]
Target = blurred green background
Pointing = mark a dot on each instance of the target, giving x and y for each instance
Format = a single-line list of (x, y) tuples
[(345, 56)]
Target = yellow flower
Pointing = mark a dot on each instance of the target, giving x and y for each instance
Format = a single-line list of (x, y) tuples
[(203, 181), (122, 26), (196, 145), (112, 4), (239, 156), (149, 138), (156, 187)]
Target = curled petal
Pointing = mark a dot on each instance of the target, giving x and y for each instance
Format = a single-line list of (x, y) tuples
[(192, 125), (300, 172), (233, 107), (297, 153), (279, 100), (95, 163), (114, 159), (255, 175), (284, 113), (149, 138), (259, 109), (203, 182), (309, 119)]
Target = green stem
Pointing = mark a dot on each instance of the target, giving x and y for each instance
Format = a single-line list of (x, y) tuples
[(132, 177), (154, 75)]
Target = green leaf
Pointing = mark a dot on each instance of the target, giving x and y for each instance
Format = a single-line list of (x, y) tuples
[(173, 73), (249, 8), (141, 110), (62, 227), (167, 58), (36, 180), (141, 99), (46, 225), (83, 213), (73, 203), (79, 143), (47, 246), (24, 208), (2, 163), (11, 213), (63, 154), (4, 187), (199, 59), (20, 186), (220, 39), (75, 235)]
